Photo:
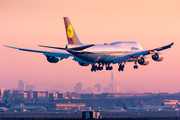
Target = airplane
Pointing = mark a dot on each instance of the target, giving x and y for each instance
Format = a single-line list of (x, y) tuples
[(10, 107), (156, 108), (111, 109), (100, 55), (134, 108)]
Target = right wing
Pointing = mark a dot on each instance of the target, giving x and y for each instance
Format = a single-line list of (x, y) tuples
[(127, 56), (60, 54)]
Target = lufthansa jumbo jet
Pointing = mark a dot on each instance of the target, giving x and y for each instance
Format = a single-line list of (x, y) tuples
[(100, 55)]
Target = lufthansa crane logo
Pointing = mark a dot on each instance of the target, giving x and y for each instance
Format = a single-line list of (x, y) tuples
[(70, 31)]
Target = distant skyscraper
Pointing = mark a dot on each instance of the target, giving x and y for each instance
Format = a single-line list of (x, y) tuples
[(78, 88), (30, 87), (112, 78), (111, 87), (115, 87), (95, 90), (111, 84), (20, 85), (98, 86)]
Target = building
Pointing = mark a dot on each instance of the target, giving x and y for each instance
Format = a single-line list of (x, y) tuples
[(98, 86), (87, 96), (115, 87), (78, 88), (40, 94), (30, 87), (1, 93), (20, 85)]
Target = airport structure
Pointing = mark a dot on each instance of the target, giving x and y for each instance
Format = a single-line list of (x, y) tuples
[(79, 101)]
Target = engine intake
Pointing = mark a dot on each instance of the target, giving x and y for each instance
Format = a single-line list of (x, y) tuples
[(52, 59), (144, 61), (158, 56), (83, 64)]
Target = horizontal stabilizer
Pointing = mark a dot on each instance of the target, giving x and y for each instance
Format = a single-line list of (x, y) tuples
[(52, 47), (82, 47), (74, 48)]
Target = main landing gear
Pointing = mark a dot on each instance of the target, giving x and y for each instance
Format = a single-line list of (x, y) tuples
[(121, 67), (108, 67), (135, 65), (100, 67), (95, 67)]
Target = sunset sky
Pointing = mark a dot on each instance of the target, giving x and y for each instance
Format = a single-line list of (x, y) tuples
[(28, 23)]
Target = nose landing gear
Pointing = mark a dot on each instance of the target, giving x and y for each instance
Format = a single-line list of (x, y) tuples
[(135, 65)]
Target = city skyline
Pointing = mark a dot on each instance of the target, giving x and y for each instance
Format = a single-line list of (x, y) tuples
[(27, 24)]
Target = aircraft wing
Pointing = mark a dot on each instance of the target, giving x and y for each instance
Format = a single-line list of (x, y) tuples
[(60, 54), (127, 56)]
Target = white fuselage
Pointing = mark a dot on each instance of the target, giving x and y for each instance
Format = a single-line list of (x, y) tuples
[(104, 53)]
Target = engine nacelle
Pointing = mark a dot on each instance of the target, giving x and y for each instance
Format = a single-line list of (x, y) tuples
[(143, 61), (52, 59), (158, 56), (83, 64)]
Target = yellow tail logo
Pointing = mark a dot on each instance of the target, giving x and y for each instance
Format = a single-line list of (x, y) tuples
[(70, 31)]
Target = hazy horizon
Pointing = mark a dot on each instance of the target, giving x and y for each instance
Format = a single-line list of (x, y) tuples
[(30, 23)]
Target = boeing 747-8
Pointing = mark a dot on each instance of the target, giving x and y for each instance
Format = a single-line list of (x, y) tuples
[(100, 55)]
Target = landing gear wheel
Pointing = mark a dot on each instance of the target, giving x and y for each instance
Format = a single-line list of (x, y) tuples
[(101, 68), (94, 68), (110, 68), (121, 68), (135, 67)]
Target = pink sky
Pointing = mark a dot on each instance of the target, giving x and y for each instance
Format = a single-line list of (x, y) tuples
[(26, 24)]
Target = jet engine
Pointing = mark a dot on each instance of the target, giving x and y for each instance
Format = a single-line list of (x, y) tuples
[(83, 64), (52, 59), (143, 61), (158, 56)]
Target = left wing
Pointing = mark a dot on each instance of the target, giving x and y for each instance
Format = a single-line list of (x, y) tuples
[(125, 57), (60, 54)]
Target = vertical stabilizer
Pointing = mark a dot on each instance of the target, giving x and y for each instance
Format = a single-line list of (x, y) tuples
[(7, 104), (143, 103), (124, 106), (70, 32)]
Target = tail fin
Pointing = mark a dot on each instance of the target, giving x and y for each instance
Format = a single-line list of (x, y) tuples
[(7, 104), (143, 103), (113, 105), (124, 106), (70, 32)]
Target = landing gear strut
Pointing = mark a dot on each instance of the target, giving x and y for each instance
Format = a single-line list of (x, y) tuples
[(135, 65), (100, 67), (95, 67), (108, 67), (121, 67)]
